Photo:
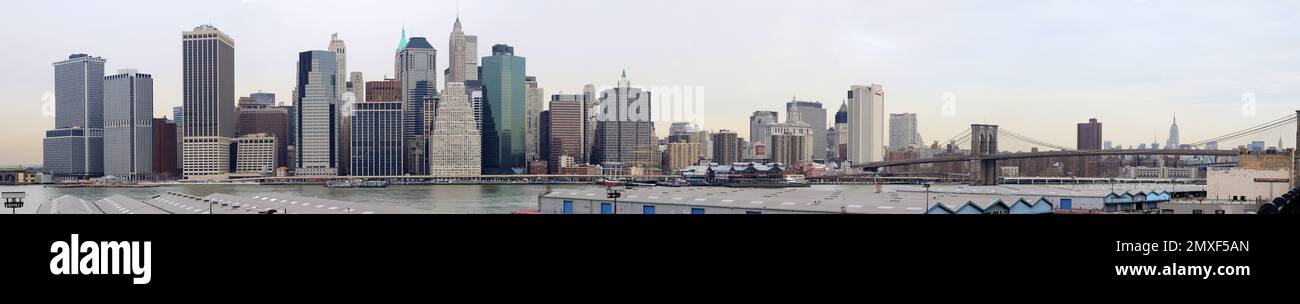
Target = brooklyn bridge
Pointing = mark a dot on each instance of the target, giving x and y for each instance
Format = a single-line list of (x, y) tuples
[(983, 140)]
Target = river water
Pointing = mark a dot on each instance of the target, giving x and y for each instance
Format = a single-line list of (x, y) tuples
[(443, 199)]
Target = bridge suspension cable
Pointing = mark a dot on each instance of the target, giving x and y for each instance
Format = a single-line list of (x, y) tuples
[(1274, 124), (960, 138), (1029, 140)]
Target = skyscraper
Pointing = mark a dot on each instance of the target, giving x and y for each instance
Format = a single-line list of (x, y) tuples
[(814, 115), (341, 58), (318, 114), (208, 86), (866, 123), (625, 132), (841, 147), (726, 147), (377, 134), (74, 149), (902, 131), (471, 59), (417, 71), (505, 110), (1089, 135), (128, 120), (1173, 143), (593, 114), (758, 130), (357, 87), (535, 105), (566, 129), (456, 49), (454, 142)]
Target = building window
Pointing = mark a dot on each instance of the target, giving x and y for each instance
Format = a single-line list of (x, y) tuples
[(1220, 212), (1167, 211), (1198, 211), (697, 210), (648, 209)]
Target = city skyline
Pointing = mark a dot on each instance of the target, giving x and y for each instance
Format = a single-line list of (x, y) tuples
[(1151, 58)]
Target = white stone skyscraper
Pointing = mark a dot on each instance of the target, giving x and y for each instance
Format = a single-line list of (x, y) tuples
[(208, 86), (456, 54), (471, 57), (534, 106), (455, 143), (341, 56), (128, 125), (866, 123), (1173, 143)]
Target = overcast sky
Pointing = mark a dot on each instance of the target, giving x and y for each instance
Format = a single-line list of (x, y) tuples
[(1035, 67)]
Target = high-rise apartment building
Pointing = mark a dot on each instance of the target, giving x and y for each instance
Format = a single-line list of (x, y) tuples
[(1089, 135), (902, 131)]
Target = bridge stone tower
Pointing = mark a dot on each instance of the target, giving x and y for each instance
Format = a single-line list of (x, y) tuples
[(983, 141)]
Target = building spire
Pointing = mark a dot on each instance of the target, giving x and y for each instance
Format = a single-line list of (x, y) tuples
[(401, 44)]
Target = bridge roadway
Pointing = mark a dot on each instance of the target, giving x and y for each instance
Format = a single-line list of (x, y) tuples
[(1046, 154)]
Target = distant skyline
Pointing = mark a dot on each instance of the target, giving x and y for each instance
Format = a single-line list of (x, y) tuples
[(1036, 67)]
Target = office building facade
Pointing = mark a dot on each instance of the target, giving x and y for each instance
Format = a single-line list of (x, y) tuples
[(208, 86), (377, 138), (317, 145), (74, 149), (866, 123), (417, 68), (505, 113), (454, 142), (128, 130)]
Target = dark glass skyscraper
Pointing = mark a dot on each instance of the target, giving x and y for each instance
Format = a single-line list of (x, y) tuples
[(376, 138), (417, 69), (504, 112)]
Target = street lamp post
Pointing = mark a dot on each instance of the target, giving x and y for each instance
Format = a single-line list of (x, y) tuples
[(927, 198), (13, 200)]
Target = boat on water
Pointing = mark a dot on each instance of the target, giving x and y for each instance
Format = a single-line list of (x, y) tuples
[(374, 184)]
